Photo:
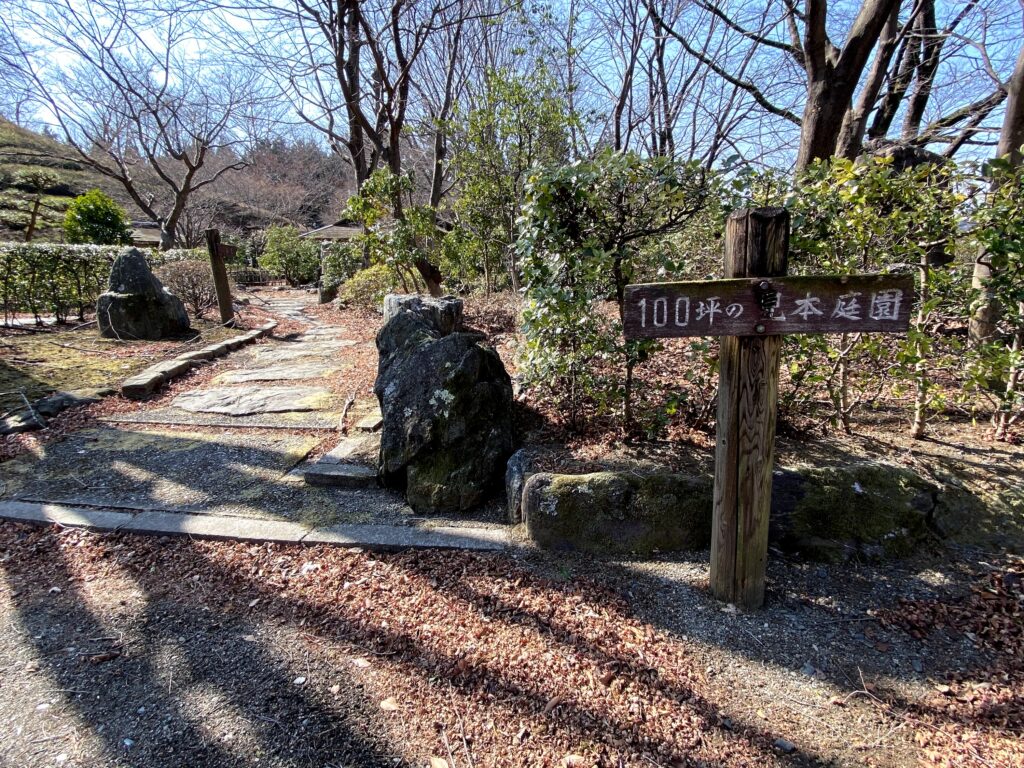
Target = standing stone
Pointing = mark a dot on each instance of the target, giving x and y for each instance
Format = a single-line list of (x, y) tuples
[(136, 305), (446, 401), (444, 315)]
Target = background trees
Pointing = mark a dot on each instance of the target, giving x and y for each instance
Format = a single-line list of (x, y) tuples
[(137, 99)]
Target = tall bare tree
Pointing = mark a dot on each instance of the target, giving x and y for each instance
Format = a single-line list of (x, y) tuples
[(134, 104), (1011, 144)]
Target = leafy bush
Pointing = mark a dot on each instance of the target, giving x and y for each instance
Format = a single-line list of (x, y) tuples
[(368, 287), (288, 256), (582, 239), (341, 262), (53, 278), (96, 218), (999, 238), (191, 281)]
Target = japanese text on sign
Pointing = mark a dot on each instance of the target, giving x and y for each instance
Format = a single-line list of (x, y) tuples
[(771, 306)]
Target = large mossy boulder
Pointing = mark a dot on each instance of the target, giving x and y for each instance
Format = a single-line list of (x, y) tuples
[(136, 304), (866, 509), (618, 512), (446, 401)]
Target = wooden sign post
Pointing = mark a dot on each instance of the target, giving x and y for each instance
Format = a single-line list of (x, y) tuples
[(218, 254), (751, 309)]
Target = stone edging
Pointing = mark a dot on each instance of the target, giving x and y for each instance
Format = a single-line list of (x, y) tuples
[(148, 381), (385, 538)]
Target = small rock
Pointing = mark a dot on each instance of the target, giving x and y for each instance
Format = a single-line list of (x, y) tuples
[(299, 681), (784, 745), (22, 421)]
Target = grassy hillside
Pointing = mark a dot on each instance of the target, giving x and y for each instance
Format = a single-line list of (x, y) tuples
[(24, 150)]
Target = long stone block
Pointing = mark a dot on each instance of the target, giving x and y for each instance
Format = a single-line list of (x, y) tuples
[(216, 527), (200, 355), (59, 514), (396, 538), (171, 369), (145, 383)]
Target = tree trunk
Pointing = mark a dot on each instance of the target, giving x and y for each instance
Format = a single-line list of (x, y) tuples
[(33, 218), (822, 122), (986, 314), (166, 236)]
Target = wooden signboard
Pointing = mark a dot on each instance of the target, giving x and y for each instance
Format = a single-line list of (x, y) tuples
[(768, 306), (751, 310)]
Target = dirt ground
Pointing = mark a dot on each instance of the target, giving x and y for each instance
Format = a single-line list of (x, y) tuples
[(120, 651)]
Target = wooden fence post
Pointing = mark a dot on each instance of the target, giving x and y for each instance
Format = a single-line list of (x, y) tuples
[(756, 245), (220, 277)]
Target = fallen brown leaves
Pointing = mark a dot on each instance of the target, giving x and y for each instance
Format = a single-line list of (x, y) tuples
[(977, 716), (474, 656)]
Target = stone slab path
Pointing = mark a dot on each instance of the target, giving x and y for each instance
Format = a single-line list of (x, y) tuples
[(229, 459), (378, 537)]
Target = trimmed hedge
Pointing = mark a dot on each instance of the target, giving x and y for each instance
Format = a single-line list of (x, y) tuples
[(59, 279)]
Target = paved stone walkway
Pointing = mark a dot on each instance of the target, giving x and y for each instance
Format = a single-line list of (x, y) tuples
[(230, 456)]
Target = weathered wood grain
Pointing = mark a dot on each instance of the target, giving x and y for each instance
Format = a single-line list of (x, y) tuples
[(756, 245), (218, 253), (764, 306)]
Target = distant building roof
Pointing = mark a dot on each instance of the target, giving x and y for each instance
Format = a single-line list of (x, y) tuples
[(145, 233), (340, 230)]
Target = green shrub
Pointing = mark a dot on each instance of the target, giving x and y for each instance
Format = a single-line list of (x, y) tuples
[(288, 256), (53, 278), (584, 234), (96, 218), (368, 287), (341, 262), (191, 281)]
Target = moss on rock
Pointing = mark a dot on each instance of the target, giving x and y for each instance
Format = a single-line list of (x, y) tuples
[(614, 512)]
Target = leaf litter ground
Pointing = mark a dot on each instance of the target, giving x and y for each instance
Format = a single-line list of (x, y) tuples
[(139, 651)]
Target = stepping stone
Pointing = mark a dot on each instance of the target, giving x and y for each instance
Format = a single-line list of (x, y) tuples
[(284, 353), (351, 449), (243, 401), (275, 373), (370, 423), (320, 333), (340, 475)]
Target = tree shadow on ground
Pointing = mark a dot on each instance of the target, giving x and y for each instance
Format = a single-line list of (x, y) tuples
[(802, 599), (141, 698)]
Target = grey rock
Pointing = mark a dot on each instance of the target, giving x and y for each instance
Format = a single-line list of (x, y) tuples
[(22, 421), (618, 512), (284, 353), (785, 746), (61, 401), (446, 401), (443, 314), (518, 470), (865, 510), (243, 401), (137, 306)]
